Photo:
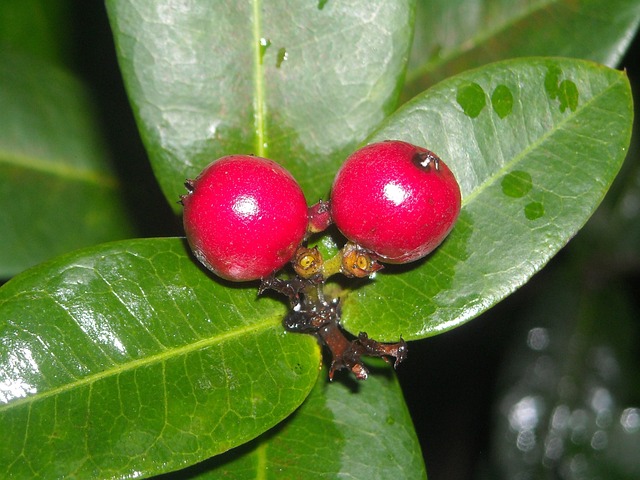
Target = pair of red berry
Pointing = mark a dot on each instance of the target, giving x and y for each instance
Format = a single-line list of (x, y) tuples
[(246, 216)]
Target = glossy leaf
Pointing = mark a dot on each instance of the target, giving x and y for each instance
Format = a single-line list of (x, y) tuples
[(452, 37), (57, 189), (299, 82), (343, 430), (535, 144), (126, 359)]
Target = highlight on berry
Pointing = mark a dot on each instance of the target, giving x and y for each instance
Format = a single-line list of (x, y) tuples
[(246, 219)]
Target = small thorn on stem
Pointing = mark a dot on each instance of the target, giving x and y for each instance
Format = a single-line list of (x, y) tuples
[(385, 350), (289, 288)]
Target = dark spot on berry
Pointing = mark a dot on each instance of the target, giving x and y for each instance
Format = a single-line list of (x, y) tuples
[(427, 160)]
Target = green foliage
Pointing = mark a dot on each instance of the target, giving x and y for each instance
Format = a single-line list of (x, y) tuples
[(212, 80), (453, 36), (150, 364), (328, 434), (126, 359), (38, 28), (521, 168), (58, 190)]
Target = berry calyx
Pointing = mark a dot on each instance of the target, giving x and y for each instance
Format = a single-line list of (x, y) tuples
[(244, 217), (395, 199), (357, 262), (307, 262)]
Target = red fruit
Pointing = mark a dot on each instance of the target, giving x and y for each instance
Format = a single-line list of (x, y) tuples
[(244, 217), (395, 199)]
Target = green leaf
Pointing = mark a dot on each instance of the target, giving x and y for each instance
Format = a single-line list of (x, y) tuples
[(126, 359), (57, 190), (452, 37), (531, 174), (343, 430), (299, 82), (39, 28)]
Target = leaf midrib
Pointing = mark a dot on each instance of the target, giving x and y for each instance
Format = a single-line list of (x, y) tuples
[(259, 104), (161, 357), (60, 169), (490, 180)]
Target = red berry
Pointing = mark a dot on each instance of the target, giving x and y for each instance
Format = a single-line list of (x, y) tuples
[(244, 217), (395, 199)]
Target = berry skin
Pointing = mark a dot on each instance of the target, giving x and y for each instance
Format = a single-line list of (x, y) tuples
[(395, 199), (244, 217)]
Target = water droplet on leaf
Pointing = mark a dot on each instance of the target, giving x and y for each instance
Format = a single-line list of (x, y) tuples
[(565, 91), (282, 56), (516, 184), (472, 99), (502, 101), (534, 210), (551, 80), (264, 44), (568, 95)]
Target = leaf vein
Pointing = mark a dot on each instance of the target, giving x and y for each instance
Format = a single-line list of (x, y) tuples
[(60, 169), (260, 108), (159, 357), (538, 143)]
